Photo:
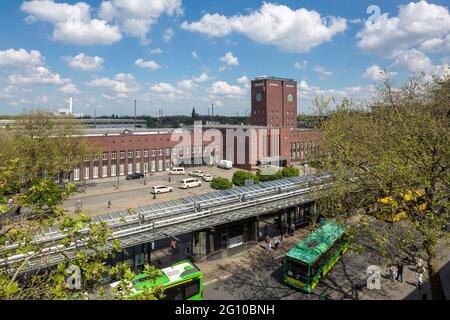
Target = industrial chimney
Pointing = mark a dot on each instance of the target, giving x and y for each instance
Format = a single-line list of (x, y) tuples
[(70, 105)]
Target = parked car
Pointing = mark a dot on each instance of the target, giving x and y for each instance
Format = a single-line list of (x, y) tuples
[(225, 164), (190, 183), (134, 176), (207, 177), (161, 189), (177, 171), (197, 173)]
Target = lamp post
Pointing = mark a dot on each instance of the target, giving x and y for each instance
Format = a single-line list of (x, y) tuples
[(118, 174)]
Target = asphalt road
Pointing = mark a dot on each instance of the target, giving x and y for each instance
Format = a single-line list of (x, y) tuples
[(133, 193)]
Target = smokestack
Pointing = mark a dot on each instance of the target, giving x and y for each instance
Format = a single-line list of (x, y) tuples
[(70, 105), (135, 114)]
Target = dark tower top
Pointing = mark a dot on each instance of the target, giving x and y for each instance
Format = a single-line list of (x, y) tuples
[(274, 102)]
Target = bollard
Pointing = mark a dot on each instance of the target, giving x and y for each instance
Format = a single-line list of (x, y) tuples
[(109, 204)]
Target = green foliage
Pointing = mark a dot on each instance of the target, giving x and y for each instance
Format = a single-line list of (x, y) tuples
[(398, 143), (266, 176), (220, 183), (289, 172), (26, 151), (240, 176)]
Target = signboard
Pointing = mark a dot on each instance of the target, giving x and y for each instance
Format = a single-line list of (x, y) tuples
[(235, 242), (139, 259)]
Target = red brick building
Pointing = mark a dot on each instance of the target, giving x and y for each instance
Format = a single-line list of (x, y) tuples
[(272, 137)]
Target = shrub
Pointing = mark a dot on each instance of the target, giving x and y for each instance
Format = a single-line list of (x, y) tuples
[(220, 183), (240, 176), (288, 172), (269, 177)]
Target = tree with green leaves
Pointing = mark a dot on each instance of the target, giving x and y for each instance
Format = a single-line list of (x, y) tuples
[(22, 160), (240, 176), (397, 144), (220, 183)]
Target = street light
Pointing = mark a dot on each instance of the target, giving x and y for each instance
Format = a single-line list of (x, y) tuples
[(118, 174)]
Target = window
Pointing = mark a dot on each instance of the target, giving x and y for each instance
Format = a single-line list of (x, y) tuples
[(160, 152), (191, 289), (95, 173), (138, 153), (105, 156), (297, 270), (122, 154), (153, 153), (86, 158), (167, 151), (167, 164), (188, 150), (145, 153), (86, 172), (76, 174), (174, 151), (113, 155), (130, 154), (113, 169)]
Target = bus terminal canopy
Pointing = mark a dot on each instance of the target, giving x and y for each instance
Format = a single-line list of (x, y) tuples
[(315, 245)]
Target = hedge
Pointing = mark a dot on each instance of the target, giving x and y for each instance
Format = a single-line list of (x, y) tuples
[(220, 183)]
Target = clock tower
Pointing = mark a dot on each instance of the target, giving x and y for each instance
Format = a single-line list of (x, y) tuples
[(274, 102)]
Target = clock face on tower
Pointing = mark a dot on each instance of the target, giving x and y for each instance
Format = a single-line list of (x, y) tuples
[(290, 97), (258, 97)]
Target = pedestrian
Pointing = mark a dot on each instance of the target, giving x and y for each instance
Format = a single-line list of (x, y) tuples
[(266, 230), (321, 219), (284, 229), (173, 246), (419, 263), (400, 271), (419, 276), (392, 273), (276, 242), (292, 229), (267, 243)]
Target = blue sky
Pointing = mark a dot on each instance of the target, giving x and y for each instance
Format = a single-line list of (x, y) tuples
[(178, 54)]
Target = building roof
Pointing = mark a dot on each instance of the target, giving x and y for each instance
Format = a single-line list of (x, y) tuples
[(273, 78), (310, 249)]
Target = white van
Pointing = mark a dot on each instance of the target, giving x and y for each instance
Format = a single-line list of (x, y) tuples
[(225, 164), (178, 171), (190, 183)]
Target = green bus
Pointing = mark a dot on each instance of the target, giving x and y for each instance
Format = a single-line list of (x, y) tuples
[(181, 281), (311, 259)]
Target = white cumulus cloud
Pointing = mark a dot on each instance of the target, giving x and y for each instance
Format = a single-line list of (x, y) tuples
[(151, 65), (20, 57), (415, 23), (85, 63), (290, 30), (72, 23)]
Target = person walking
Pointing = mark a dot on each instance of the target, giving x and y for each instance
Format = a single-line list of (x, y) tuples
[(292, 229), (321, 219), (419, 276), (419, 263), (400, 271), (173, 246), (392, 273), (267, 243), (276, 242)]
